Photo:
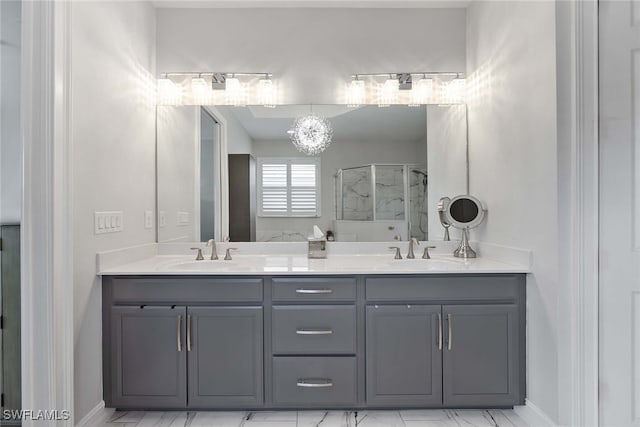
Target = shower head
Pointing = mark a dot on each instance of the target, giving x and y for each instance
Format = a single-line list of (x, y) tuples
[(418, 171)]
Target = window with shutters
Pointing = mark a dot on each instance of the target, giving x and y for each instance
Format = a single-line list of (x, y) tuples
[(289, 187)]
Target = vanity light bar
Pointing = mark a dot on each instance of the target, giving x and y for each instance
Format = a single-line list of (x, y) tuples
[(412, 89), (217, 88)]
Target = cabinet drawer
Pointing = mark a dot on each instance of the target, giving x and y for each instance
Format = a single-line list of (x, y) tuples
[(444, 288), (181, 290), (314, 329), (314, 289), (314, 381)]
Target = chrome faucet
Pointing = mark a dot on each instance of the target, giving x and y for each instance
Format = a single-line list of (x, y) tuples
[(425, 254), (227, 255), (214, 251), (398, 255), (199, 256), (412, 241)]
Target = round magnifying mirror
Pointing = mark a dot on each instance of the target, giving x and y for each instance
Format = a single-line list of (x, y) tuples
[(465, 212)]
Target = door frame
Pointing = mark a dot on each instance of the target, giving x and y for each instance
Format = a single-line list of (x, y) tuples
[(47, 330), (578, 194)]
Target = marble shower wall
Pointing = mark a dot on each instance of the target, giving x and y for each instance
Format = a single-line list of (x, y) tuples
[(357, 200), (390, 192), (418, 207)]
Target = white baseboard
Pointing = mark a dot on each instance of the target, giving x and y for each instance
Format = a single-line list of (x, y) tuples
[(533, 416), (98, 415)]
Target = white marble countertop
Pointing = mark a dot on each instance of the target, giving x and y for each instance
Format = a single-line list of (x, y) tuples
[(296, 264)]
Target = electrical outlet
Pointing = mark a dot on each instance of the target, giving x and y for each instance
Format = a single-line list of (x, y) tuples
[(148, 219), (162, 219), (108, 222)]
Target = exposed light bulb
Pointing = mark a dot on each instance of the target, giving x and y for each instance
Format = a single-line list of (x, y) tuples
[(356, 94), (421, 92), (235, 92), (267, 93), (388, 93), (200, 91), (169, 93), (454, 92)]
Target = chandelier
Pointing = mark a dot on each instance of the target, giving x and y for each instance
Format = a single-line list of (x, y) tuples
[(311, 134)]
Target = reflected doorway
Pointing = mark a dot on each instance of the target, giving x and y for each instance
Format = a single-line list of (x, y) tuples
[(209, 173)]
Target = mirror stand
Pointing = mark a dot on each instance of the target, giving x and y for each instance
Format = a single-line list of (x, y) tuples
[(464, 250)]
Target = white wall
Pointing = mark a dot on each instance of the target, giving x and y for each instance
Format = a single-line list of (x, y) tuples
[(312, 52), (513, 153), (238, 140), (10, 149), (340, 154), (113, 136)]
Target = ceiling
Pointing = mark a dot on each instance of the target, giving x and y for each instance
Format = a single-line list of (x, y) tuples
[(311, 3), (369, 123)]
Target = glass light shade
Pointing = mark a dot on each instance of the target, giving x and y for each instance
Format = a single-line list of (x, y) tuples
[(235, 92), (421, 92), (267, 93), (388, 93), (200, 91), (356, 93), (311, 134), (454, 92), (169, 93)]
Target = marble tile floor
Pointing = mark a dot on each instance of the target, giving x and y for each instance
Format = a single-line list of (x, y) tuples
[(403, 418)]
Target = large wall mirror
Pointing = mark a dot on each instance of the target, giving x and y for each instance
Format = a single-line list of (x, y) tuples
[(233, 171)]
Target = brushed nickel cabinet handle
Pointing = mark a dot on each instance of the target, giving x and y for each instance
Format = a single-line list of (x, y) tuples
[(314, 291), (188, 333), (179, 333), (439, 331), (315, 383), (450, 336), (314, 331)]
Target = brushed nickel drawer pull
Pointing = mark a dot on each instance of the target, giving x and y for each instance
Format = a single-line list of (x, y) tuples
[(188, 333), (439, 331), (315, 383), (314, 291), (314, 331), (179, 333), (450, 336)]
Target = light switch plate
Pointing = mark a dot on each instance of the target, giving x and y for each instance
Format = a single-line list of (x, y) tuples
[(162, 219), (108, 222), (183, 218), (148, 219)]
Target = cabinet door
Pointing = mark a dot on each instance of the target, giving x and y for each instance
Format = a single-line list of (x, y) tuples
[(481, 362), (148, 357), (225, 357), (404, 363)]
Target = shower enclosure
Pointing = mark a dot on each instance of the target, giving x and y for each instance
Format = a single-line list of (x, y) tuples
[(384, 192)]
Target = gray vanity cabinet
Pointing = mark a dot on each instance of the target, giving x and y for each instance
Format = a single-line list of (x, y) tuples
[(480, 359), (404, 363), (149, 362), (225, 357)]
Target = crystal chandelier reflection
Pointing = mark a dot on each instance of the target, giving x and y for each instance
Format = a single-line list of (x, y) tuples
[(311, 134)]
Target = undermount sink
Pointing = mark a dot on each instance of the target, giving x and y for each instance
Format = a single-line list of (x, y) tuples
[(201, 266), (425, 264)]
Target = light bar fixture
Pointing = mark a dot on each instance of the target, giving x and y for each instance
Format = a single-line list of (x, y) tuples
[(169, 93), (217, 88), (412, 89), (356, 93), (267, 92), (388, 92)]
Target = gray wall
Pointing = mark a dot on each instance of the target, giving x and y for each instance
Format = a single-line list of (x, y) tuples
[(312, 52), (113, 137), (10, 150)]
